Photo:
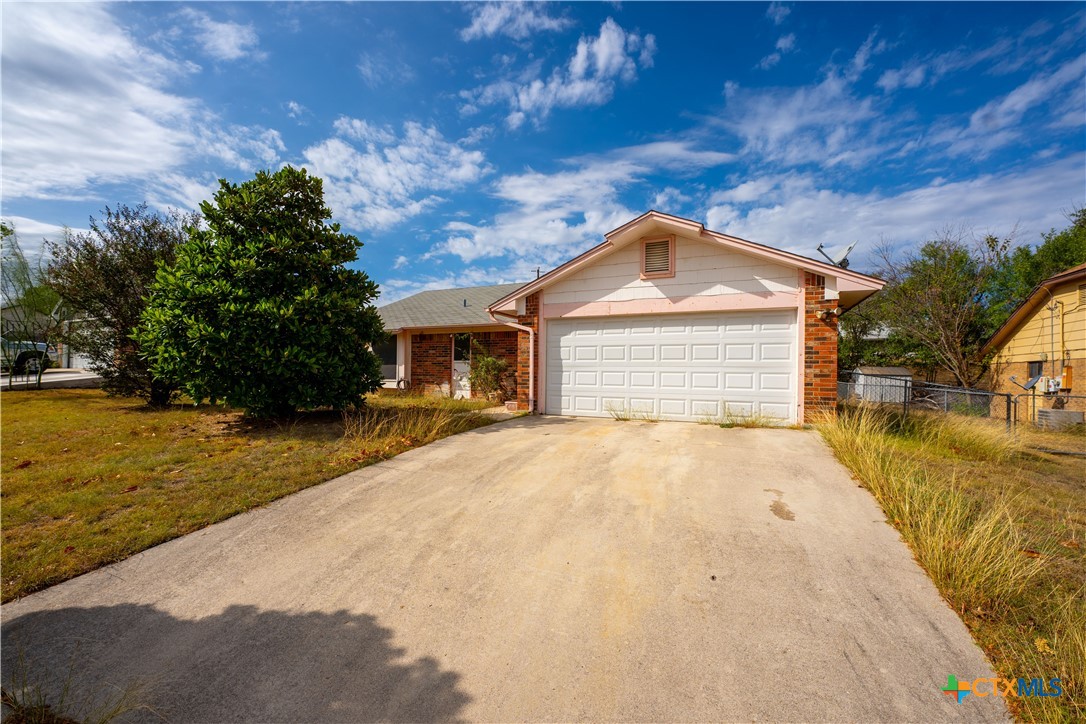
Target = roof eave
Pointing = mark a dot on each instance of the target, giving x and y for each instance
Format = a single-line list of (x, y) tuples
[(1029, 306)]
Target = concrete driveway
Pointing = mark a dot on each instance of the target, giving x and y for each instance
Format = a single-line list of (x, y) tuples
[(537, 569)]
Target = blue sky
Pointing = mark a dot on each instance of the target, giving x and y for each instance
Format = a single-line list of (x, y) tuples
[(471, 143)]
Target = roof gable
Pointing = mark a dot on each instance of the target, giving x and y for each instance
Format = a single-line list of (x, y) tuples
[(652, 223)]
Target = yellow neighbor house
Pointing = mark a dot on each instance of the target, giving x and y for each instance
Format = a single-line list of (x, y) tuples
[(1045, 337)]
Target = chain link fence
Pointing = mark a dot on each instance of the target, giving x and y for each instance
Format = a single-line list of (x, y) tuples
[(910, 394)]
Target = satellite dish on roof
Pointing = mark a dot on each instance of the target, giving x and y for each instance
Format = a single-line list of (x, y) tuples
[(841, 261)]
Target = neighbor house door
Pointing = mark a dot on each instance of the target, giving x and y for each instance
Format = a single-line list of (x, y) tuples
[(461, 366)]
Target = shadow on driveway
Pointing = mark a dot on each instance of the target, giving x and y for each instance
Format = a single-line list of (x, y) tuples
[(249, 664)]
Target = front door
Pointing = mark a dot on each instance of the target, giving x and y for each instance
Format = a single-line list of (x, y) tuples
[(461, 366)]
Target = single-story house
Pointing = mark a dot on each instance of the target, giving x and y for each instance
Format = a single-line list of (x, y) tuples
[(430, 347), (664, 318), (1045, 337)]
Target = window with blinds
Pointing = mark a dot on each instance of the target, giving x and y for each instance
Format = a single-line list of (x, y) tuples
[(657, 258)]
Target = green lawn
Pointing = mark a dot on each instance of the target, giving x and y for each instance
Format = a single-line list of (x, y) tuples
[(89, 480), (999, 526)]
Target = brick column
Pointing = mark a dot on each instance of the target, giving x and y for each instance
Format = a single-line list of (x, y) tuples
[(530, 318), (820, 349), (431, 362)]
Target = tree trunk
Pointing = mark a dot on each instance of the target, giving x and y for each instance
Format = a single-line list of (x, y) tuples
[(160, 394)]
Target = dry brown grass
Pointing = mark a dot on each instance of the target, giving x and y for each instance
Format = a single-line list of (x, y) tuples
[(999, 529), (89, 480)]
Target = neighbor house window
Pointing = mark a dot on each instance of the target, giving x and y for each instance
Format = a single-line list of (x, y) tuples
[(658, 257), (1036, 368)]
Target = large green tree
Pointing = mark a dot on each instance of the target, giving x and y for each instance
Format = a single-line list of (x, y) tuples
[(104, 275), (259, 308), (1026, 266)]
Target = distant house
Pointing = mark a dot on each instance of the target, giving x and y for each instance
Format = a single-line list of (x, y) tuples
[(430, 350), (664, 318), (1045, 337)]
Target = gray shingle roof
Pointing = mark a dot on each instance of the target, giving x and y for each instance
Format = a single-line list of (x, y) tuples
[(444, 307)]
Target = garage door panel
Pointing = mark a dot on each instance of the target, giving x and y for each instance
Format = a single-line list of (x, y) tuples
[(673, 407), (739, 352), (700, 409), (613, 352), (673, 380), (705, 381), (780, 410), (586, 378), (772, 352), (687, 367), (586, 403), (738, 381), (673, 353), (612, 378), (705, 352), (774, 381)]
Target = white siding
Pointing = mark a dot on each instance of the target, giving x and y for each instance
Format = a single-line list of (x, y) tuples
[(701, 269)]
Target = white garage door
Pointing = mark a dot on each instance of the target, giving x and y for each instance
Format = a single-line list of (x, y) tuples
[(680, 367)]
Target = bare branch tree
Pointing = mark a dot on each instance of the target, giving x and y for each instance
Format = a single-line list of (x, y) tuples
[(31, 313), (939, 298)]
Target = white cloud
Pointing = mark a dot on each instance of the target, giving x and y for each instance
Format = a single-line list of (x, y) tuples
[(378, 70), (391, 178), (677, 156), (824, 123), (1007, 54), (224, 40), (588, 79), (549, 217), (85, 105), (669, 200), (401, 262), (517, 20), (296, 110), (32, 235), (777, 12), (999, 122), (794, 212), (785, 44), (908, 77)]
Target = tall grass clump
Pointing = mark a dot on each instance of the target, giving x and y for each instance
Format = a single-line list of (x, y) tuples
[(1028, 618), (25, 700), (378, 432)]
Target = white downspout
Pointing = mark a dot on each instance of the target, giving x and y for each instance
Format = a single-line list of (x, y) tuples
[(531, 352)]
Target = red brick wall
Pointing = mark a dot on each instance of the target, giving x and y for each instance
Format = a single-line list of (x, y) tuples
[(530, 318), (431, 362), (820, 349), (502, 345)]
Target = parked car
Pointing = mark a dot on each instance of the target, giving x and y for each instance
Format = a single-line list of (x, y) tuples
[(20, 357)]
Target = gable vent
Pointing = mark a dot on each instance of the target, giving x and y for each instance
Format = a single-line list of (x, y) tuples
[(658, 257), (1082, 294)]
